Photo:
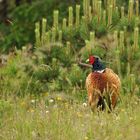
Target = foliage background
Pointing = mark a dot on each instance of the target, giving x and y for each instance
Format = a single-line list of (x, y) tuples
[(17, 25)]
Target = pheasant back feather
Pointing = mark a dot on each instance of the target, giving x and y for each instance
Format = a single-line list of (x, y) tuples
[(98, 83)]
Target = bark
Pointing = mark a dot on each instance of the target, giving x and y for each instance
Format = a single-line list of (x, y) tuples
[(17, 2), (3, 10), (29, 1)]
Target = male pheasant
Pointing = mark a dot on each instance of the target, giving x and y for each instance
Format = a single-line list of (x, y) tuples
[(101, 83)]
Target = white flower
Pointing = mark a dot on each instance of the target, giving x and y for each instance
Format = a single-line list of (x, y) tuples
[(55, 106), (85, 104), (32, 101), (47, 111), (51, 100)]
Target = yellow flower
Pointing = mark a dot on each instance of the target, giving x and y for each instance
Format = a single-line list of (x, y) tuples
[(46, 94), (23, 103), (59, 98), (86, 138), (66, 105), (122, 109), (79, 114), (31, 110), (131, 118)]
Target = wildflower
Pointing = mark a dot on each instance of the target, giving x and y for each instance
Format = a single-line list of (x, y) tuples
[(79, 114), (59, 98), (23, 103), (34, 57), (122, 110), (24, 48), (51, 100), (87, 115), (47, 111), (85, 104), (82, 125), (46, 94), (31, 110), (135, 103), (86, 138), (32, 101), (55, 106), (131, 118), (66, 105)]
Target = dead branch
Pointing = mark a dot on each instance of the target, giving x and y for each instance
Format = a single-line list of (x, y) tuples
[(84, 65)]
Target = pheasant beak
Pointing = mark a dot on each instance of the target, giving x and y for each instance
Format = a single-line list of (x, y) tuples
[(87, 60)]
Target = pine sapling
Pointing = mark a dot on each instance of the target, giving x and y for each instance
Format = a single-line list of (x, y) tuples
[(116, 38), (90, 13), (53, 35), (64, 24), (88, 46), (114, 4), (104, 17), (122, 12), (130, 9), (68, 48), (44, 27), (60, 36), (77, 15), (99, 11), (94, 6), (117, 10), (47, 37), (118, 63), (70, 22), (137, 8), (110, 15), (92, 36), (136, 38), (47, 40), (37, 34), (86, 5), (55, 19), (121, 45), (133, 83)]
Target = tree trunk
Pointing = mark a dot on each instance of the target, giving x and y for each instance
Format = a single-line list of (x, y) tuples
[(17, 2), (29, 1), (3, 10)]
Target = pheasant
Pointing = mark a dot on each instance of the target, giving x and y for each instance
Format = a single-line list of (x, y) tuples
[(102, 83)]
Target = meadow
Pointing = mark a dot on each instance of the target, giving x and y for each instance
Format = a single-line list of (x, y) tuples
[(42, 85), (43, 119)]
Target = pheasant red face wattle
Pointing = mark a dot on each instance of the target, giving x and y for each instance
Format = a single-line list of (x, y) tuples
[(91, 60)]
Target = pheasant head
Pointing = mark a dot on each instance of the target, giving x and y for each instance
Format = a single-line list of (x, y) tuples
[(97, 64)]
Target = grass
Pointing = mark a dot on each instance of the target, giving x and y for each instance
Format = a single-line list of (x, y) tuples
[(58, 119)]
